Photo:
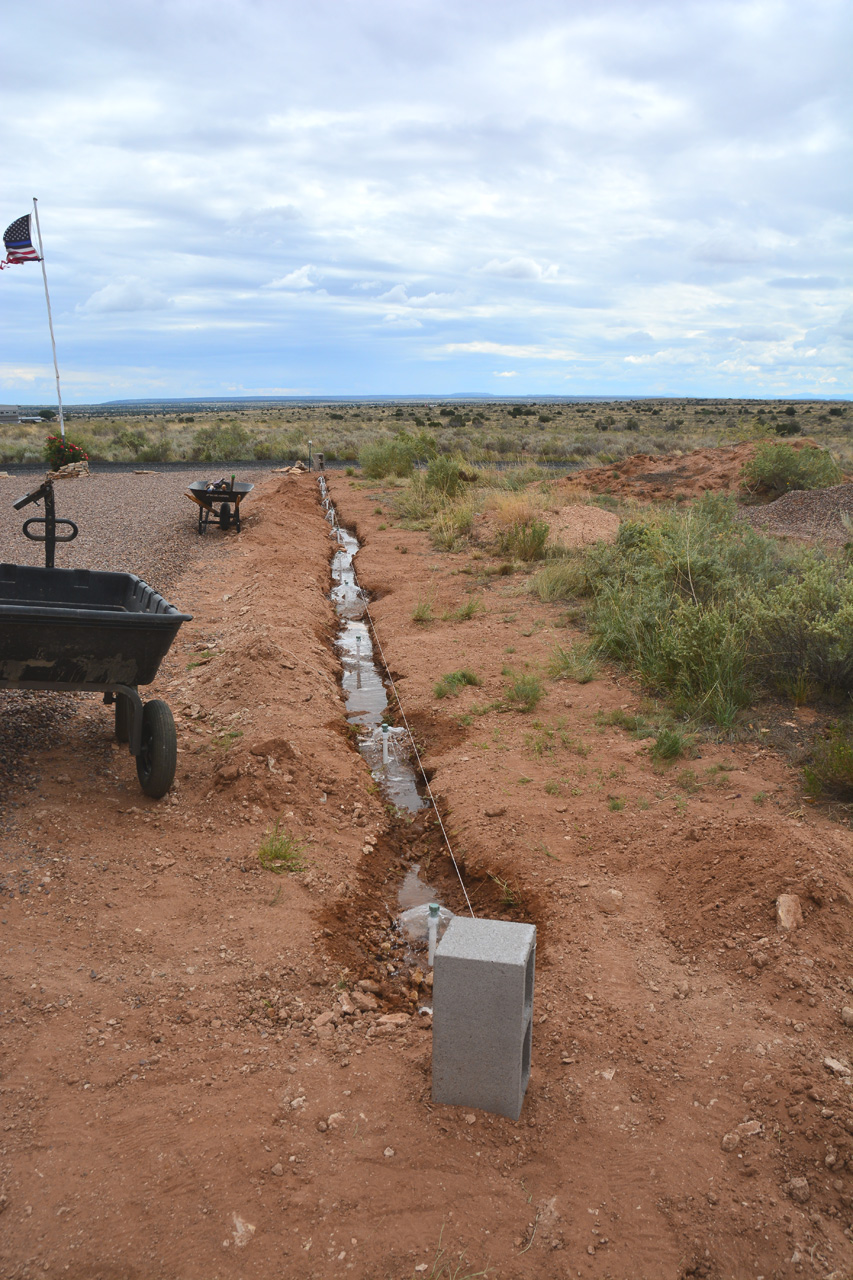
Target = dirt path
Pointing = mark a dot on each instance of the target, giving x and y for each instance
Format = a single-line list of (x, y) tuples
[(195, 1085)]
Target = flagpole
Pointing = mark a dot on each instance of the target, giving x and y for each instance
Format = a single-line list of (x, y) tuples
[(49, 318)]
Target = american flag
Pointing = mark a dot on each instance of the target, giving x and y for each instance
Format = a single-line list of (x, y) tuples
[(18, 241)]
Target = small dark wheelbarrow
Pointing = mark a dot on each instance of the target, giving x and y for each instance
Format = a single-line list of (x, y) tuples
[(99, 632), (220, 499)]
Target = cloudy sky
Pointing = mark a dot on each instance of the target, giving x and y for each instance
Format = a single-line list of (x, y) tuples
[(248, 197)]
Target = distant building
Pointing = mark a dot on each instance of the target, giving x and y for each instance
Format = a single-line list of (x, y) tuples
[(9, 413), (34, 418)]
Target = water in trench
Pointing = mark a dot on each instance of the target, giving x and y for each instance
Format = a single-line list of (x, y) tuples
[(384, 746)]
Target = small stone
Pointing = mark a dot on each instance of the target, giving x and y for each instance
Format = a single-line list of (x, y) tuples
[(590, 1250), (798, 1189), (277, 1170), (609, 901), (789, 913), (335, 1120), (393, 1020), (495, 811), (367, 984), (324, 1020), (838, 1068), (388, 1152), (322, 1127), (750, 1128), (364, 1000), (347, 1006), (471, 1119), (847, 1016), (730, 1141)]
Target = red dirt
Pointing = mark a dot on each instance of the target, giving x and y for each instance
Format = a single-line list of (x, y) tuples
[(658, 477), (173, 1108)]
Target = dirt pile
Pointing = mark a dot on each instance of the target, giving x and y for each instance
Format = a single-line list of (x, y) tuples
[(808, 514), (671, 476)]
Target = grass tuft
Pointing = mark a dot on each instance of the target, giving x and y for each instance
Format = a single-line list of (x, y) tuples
[(280, 852), (450, 684)]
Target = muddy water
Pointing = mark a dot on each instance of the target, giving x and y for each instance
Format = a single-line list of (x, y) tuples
[(384, 746)]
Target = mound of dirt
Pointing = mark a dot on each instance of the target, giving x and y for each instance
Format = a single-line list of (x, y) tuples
[(664, 477), (808, 514), (578, 525)]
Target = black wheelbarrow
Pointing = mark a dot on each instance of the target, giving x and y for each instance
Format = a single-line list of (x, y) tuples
[(100, 632), (220, 499)]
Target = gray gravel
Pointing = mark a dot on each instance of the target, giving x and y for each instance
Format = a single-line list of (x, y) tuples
[(142, 524), (815, 514)]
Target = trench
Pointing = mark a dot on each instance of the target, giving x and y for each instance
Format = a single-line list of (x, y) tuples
[(380, 931)]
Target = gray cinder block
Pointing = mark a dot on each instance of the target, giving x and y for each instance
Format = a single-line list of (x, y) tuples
[(482, 1015)]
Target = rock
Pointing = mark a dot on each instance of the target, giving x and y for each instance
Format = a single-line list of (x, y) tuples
[(750, 1128), (730, 1141), (393, 1020), (367, 984), (335, 1120), (388, 1152), (347, 1006), (277, 1170), (495, 811), (324, 1020), (228, 773), (798, 1189), (322, 1126), (838, 1068), (847, 1016), (789, 913), (364, 1000), (609, 901)]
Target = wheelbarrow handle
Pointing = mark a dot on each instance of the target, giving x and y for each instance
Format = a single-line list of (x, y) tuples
[(34, 537)]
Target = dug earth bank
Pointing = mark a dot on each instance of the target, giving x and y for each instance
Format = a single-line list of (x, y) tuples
[(210, 1070)]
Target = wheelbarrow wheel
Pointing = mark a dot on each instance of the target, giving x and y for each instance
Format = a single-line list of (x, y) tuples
[(158, 757), (123, 717), (225, 515)]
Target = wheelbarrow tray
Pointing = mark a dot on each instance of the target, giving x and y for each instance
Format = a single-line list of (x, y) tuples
[(81, 627), (206, 497)]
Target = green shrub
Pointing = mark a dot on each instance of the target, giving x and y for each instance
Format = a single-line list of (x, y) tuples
[(443, 475), (450, 684), (452, 526), (394, 457), (779, 468), (669, 745), (559, 580), (577, 662), (831, 769), (221, 443), (803, 626), (524, 539)]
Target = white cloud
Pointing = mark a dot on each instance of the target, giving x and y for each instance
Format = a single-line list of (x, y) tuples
[(506, 373), (545, 187), (126, 294), (301, 278), (520, 269)]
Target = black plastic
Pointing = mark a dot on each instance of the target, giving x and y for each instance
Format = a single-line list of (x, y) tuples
[(79, 626)]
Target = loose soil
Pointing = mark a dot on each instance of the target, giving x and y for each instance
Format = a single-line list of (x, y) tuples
[(213, 1071), (672, 476)]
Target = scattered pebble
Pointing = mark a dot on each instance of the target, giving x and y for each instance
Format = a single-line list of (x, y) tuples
[(789, 913), (798, 1189), (389, 1151)]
